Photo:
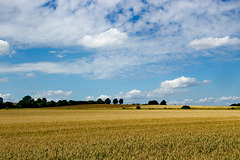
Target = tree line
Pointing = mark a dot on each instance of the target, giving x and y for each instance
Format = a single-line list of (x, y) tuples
[(235, 104), (29, 102)]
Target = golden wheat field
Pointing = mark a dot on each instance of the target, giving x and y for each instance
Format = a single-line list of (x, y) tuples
[(119, 134)]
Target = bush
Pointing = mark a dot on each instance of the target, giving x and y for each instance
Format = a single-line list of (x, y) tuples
[(153, 102), (138, 107), (186, 107)]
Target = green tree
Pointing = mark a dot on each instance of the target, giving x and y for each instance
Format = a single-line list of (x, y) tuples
[(121, 101), (115, 101), (107, 101), (153, 102), (25, 102), (1, 103), (163, 102), (100, 101)]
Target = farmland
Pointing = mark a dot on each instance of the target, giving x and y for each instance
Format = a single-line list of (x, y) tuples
[(119, 134)]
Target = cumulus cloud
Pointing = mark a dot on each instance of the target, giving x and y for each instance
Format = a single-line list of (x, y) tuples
[(103, 97), (107, 38), (8, 98), (5, 48), (207, 43), (5, 79), (176, 86), (133, 94), (185, 101), (229, 99), (167, 88), (209, 101), (89, 98), (151, 29), (181, 82), (53, 95), (99, 67)]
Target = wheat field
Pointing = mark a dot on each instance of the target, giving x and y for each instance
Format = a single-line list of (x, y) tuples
[(119, 134)]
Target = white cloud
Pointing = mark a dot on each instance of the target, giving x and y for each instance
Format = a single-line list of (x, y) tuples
[(226, 100), (102, 23), (167, 88), (133, 94), (8, 98), (5, 48), (107, 38), (103, 97), (182, 82), (185, 101), (5, 79), (52, 51), (60, 55), (176, 86), (210, 42), (204, 100), (209, 101), (53, 95), (89, 98), (28, 75)]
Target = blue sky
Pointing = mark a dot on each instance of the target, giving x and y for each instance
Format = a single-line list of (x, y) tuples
[(186, 52)]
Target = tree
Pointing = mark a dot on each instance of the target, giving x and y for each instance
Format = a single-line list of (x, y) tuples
[(8, 105), (121, 101), (115, 101), (1, 102), (25, 102), (44, 100), (163, 102), (51, 104), (107, 101), (100, 101), (153, 102)]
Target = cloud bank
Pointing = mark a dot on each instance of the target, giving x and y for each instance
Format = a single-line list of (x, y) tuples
[(118, 36), (166, 88), (53, 95)]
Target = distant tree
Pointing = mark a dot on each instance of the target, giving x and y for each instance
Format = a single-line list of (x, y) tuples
[(60, 103), (121, 101), (1, 103), (33, 104), (25, 102), (65, 102), (185, 107), (153, 102), (138, 107), (51, 104), (38, 100), (235, 104), (72, 102), (115, 101), (163, 102), (107, 101), (44, 100), (8, 105), (100, 101)]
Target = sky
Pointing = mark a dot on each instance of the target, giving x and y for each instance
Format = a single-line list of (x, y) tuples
[(182, 51)]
